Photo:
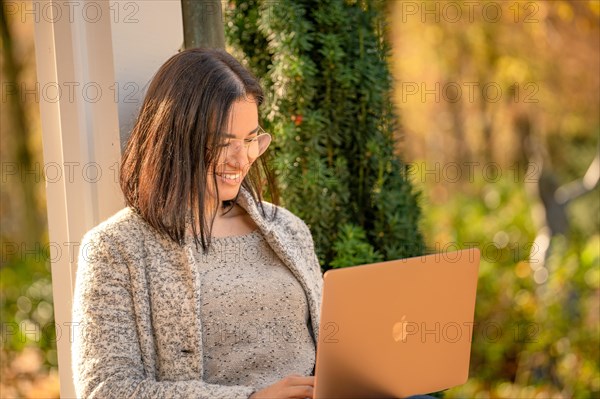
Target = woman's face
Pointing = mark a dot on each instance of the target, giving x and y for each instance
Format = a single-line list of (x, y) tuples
[(234, 160)]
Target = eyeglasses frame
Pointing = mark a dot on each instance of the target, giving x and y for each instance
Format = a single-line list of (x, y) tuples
[(245, 142)]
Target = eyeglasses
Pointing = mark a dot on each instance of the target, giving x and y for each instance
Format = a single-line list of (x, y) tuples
[(255, 146)]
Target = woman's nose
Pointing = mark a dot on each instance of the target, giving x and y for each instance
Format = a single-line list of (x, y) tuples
[(237, 160), (235, 147)]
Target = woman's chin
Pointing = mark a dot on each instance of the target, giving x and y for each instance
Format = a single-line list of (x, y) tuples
[(228, 192), (228, 189)]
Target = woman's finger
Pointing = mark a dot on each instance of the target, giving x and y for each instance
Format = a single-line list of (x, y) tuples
[(295, 379), (301, 392)]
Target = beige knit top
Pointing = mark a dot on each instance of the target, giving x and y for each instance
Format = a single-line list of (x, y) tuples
[(254, 312)]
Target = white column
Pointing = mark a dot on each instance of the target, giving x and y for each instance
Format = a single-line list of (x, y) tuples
[(144, 35), (93, 60)]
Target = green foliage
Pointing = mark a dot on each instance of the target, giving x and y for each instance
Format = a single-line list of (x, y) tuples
[(352, 249), (27, 310), (536, 333), (328, 102)]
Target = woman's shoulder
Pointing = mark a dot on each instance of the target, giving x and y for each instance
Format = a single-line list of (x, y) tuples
[(122, 226), (275, 215), (287, 219)]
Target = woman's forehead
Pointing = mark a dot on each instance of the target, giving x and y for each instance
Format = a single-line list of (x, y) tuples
[(243, 119)]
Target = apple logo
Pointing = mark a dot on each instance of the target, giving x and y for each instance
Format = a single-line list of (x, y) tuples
[(399, 330)]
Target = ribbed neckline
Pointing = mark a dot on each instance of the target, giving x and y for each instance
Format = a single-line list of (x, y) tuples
[(244, 237)]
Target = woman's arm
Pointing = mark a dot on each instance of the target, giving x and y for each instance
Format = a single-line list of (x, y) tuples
[(106, 353)]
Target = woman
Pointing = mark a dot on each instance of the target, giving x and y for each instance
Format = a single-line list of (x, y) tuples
[(197, 288)]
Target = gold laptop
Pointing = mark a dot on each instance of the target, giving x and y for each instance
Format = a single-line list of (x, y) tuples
[(397, 328)]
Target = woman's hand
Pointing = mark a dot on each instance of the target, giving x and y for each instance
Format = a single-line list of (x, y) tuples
[(291, 386)]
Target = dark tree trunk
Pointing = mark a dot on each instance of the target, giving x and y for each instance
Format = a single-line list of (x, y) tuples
[(202, 24)]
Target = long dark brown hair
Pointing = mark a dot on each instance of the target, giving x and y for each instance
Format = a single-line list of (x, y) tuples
[(166, 162)]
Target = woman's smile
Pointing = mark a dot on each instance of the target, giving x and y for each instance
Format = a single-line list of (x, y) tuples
[(232, 179)]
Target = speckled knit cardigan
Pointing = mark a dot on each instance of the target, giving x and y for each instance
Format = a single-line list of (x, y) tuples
[(136, 306)]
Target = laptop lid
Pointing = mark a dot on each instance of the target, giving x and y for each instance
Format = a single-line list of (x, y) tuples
[(397, 328)]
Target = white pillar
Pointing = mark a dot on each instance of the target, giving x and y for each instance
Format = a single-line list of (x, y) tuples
[(91, 57), (144, 35)]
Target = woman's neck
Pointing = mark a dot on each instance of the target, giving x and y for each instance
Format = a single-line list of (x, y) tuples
[(231, 213), (221, 218)]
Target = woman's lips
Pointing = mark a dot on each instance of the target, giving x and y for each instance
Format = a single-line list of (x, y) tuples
[(230, 178)]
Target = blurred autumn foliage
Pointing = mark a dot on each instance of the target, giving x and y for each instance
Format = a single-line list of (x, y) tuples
[(29, 364), (500, 110), (504, 73)]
